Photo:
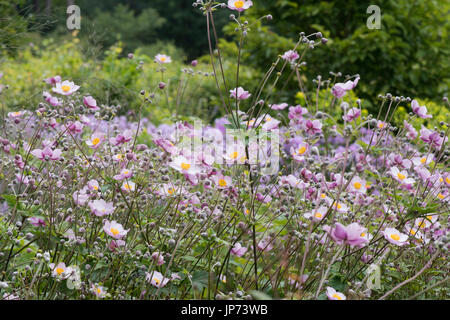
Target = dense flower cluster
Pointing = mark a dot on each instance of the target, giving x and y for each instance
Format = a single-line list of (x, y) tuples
[(104, 206)]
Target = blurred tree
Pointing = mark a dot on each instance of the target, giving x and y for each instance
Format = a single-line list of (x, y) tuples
[(12, 27), (408, 56), (124, 24), (186, 25)]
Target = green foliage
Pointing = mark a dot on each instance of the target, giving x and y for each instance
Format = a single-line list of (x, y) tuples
[(12, 27), (408, 56), (440, 112), (123, 24), (115, 80)]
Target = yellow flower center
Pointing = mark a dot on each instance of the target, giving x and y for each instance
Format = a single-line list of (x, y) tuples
[(162, 59), (185, 166), (59, 271), (95, 141), (99, 290), (114, 231), (423, 160), (395, 236), (440, 196), (65, 88), (126, 172), (171, 190), (413, 232), (157, 282), (323, 196), (357, 185), (401, 176), (127, 186), (119, 156), (247, 211), (422, 224), (268, 119), (381, 125), (239, 4), (222, 182), (447, 180), (95, 187), (17, 113), (234, 155), (363, 234), (302, 150), (318, 215), (337, 296)]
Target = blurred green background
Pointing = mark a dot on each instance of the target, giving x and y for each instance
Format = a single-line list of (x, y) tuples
[(408, 56)]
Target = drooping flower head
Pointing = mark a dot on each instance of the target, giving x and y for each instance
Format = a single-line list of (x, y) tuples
[(238, 250), (421, 111), (47, 154), (353, 234), (90, 103), (340, 89), (239, 93)]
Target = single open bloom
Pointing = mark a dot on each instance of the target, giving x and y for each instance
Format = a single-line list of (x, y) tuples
[(334, 295), (99, 291), (395, 237), (162, 58), (65, 88), (114, 229), (47, 154), (184, 165), (239, 5), (157, 279), (353, 234), (235, 153), (95, 141), (222, 181), (317, 214), (290, 55), (313, 127), (60, 270), (101, 207), (128, 186), (401, 176), (352, 114), (238, 250)]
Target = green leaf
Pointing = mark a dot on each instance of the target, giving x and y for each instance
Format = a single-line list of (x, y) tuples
[(259, 295)]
